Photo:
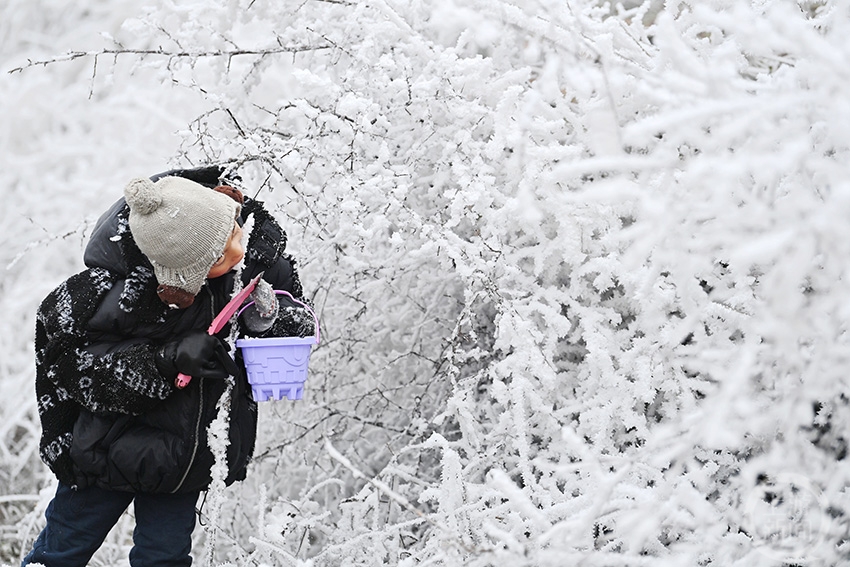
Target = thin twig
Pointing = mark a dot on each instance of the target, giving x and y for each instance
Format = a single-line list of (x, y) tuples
[(238, 127), (72, 55), (93, 75), (381, 486), (395, 496)]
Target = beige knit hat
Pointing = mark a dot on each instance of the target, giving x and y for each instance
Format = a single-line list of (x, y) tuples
[(181, 226)]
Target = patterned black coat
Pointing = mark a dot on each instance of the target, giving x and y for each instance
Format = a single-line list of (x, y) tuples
[(108, 417)]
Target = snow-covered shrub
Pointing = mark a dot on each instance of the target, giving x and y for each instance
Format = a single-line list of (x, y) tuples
[(580, 269)]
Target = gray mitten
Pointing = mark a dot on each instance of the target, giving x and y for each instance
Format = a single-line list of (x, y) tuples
[(262, 314)]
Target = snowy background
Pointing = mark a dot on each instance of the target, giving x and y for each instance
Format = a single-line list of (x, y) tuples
[(582, 269)]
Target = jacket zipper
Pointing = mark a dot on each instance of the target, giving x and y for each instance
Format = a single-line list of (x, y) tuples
[(197, 441)]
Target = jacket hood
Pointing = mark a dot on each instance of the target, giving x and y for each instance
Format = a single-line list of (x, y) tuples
[(107, 246)]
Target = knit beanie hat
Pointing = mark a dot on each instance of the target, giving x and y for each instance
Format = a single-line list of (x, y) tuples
[(181, 226)]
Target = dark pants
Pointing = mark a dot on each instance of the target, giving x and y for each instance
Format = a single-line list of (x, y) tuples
[(79, 520)]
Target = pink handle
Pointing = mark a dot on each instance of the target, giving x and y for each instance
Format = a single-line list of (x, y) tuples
[(301, 303), (182, 380)]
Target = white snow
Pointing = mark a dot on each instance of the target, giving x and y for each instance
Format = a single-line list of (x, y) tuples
[(581, 269)]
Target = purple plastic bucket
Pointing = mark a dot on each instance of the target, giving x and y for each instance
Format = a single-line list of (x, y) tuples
[(277, 366)]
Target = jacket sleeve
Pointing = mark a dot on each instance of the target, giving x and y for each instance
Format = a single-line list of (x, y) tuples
[(123, 380), (266, 251)]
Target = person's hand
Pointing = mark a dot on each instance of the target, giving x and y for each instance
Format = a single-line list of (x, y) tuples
[(196, 354)]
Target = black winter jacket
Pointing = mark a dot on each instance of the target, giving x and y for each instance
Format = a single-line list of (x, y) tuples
[(108, 417)]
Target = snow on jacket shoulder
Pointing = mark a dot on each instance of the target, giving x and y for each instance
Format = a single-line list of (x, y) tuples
[(108, 417)]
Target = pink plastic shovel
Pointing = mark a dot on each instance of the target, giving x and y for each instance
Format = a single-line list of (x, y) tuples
[(221, 319)]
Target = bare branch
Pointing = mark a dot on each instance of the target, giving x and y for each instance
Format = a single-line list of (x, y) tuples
[(72, 55), (238, 127)]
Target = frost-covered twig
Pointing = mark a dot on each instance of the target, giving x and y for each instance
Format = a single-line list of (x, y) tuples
[(200, 54), (80, 230), (218, 439), (394, 496), (381, 486)]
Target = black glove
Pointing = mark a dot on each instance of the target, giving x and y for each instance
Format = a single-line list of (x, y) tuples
[(196, 354), (261, 315)]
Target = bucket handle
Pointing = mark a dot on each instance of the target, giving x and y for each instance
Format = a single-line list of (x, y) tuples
[(301, 303)]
